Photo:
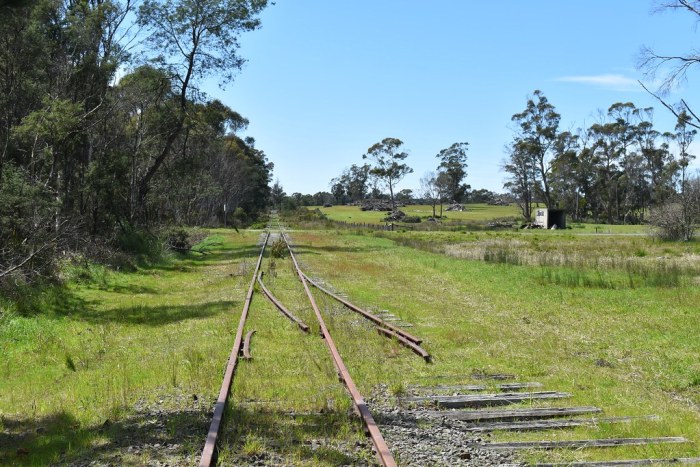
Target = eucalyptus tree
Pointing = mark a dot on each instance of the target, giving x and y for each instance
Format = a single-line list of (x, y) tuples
[(352, 185), (522, 177), (536, 137), (611, 139), (388, 166), (57, 59), (277, 194), (568, 173), (193, 39), (338, 190), (453, 163), (659, 165), (670, 69), (684, 135), (429, 190)]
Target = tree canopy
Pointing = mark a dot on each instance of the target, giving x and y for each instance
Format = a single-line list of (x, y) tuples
[(86, 159), (387, 158)]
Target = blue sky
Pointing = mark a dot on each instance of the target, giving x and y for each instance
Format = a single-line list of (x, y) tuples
[(327, 79)]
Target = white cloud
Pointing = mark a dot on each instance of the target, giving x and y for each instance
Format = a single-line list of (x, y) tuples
[(611, 81)]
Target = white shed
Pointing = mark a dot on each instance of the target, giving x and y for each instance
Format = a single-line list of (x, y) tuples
[(550, 218)]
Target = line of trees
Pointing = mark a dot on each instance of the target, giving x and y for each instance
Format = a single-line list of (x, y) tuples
[(83, 156), (615, 171), (387, 168)]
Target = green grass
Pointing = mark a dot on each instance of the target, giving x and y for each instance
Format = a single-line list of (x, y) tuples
[(629, 350), (72, 373), (474, 213), (610, 318)]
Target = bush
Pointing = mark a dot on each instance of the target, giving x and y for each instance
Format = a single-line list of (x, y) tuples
[(142, 244), (278, 249), (411, 219), (670, 224), (30, 240), (678, 220), (178, 239), (240, 216), (302, 214)]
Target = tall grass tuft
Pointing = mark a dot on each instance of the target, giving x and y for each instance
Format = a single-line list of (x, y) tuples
[(635, 275), (70, 364), (502, 255), (575, 278)]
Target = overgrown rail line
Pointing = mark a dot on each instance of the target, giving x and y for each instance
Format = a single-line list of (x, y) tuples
[(384, 328), (380, 446), (472, 413), (208, 454)]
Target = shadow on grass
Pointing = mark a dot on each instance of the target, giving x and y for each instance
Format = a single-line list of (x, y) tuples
[(149, 315), (59, 438), (192, 261), (288, 436), (131, 289)]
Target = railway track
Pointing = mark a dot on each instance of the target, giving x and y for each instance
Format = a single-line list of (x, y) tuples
[(209, 451), (241, 349), (451, 421)]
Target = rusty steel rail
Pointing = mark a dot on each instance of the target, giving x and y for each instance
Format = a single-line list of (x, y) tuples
[(376, 319), (380, 446), (246, 345), (213, 434), (405, 342), (279, 305)]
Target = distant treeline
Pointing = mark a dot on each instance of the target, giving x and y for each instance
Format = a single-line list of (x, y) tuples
[(290, 202)]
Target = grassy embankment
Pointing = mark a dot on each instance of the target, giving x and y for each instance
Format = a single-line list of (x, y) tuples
[(105, 360), (611, 319)]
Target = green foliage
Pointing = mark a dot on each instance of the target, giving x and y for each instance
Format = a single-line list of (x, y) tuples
[(303, 215), (350, 186), (387, 166), (28, 227), (70, 364), (85, 159), (178, 239), (144, 245), (531, 153), (253, 446), (453, 163), (178, 29), (240, 216)]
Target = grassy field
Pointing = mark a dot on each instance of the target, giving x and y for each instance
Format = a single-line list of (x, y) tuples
[(475, 212), (475, 215), (623, 340), (610, 318)]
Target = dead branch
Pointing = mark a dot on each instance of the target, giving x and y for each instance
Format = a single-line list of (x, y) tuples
[(33, 254), (674, 111)]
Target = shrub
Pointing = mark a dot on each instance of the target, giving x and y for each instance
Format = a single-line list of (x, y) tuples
[(278, 249), (142, 244), (678, 220), (669, 224), (178, 239)]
